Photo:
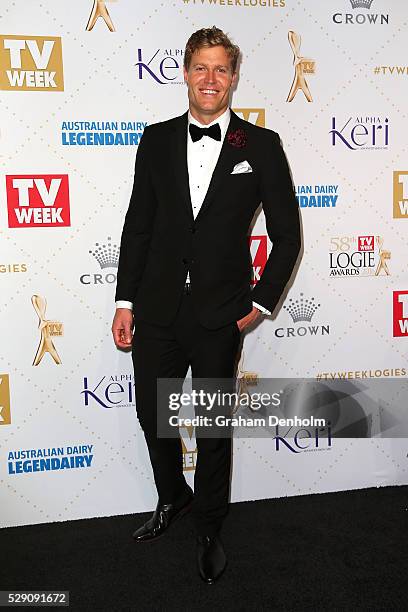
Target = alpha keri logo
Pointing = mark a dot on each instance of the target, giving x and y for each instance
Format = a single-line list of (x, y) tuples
[(252, 115), (400, 203), (165, 66), (111, 391), (31, 63), (362, 132), (400, 313), (38, 200), (5, 413)]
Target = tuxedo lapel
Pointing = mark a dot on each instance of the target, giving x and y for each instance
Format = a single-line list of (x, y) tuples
[(224, 164), (180, 164)]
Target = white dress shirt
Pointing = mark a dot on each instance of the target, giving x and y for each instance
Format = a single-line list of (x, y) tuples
[(202, 157)]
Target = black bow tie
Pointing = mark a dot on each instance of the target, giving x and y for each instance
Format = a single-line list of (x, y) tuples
[(196, 133)]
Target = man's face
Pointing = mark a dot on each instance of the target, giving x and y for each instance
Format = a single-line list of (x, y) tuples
[(209, 79)]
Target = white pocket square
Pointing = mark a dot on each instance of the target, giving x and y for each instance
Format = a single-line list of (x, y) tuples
[(242, 168)]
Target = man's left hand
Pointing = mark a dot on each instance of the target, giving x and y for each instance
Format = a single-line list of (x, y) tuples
[(249, 319)]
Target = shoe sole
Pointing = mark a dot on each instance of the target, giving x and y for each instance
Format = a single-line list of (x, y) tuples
[(177, 516)]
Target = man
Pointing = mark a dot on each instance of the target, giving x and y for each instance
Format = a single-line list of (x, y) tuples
[(185, 271)]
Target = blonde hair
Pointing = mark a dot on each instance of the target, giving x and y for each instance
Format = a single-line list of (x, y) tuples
[(210, 37)]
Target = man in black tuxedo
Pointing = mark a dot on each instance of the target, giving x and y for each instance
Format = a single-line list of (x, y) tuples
[(185, 271)]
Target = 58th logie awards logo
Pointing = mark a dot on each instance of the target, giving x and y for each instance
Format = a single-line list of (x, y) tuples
[(358, 256), (48, 330), (302, 66)]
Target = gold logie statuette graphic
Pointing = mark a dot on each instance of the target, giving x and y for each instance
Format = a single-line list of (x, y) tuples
[(302, 66), (48, 330), (383, 256), (99, 10), (245, 379)]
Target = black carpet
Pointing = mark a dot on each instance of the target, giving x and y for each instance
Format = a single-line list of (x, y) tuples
[(333, 551)]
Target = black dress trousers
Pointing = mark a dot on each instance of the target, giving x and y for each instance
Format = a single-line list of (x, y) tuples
[(167, 352)]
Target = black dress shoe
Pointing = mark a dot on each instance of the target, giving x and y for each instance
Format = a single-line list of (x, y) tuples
[(161, 519), (211, 558)]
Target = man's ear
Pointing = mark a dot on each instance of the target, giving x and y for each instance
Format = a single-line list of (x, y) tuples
[(185, 73), (234, 78)]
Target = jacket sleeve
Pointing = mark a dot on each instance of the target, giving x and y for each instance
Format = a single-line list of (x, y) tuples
[(281, 211), (137, 229)]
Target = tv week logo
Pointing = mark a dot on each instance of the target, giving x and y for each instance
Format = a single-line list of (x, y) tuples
[(366, 243), (400, 204), (38, 200), (258, 246), (400, 303), (29, 63)]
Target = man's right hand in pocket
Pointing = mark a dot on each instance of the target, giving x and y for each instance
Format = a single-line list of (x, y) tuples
[(122, 328)]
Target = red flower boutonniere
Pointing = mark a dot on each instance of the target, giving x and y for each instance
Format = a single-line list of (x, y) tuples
[(237, 139)]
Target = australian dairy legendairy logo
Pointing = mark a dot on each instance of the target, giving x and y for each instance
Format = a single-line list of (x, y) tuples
[(102, 133), (317, 196), (27, 461)]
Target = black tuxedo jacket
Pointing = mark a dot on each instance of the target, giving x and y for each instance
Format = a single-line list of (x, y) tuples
[(161, 241)]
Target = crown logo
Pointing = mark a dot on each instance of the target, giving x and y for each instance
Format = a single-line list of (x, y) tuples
[(361, 3), (107, 255), (301, 309)]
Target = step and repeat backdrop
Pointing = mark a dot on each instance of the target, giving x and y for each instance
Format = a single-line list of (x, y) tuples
[(79, 82)]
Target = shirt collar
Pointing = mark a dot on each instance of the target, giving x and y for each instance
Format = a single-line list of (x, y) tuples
[(223, 121)]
